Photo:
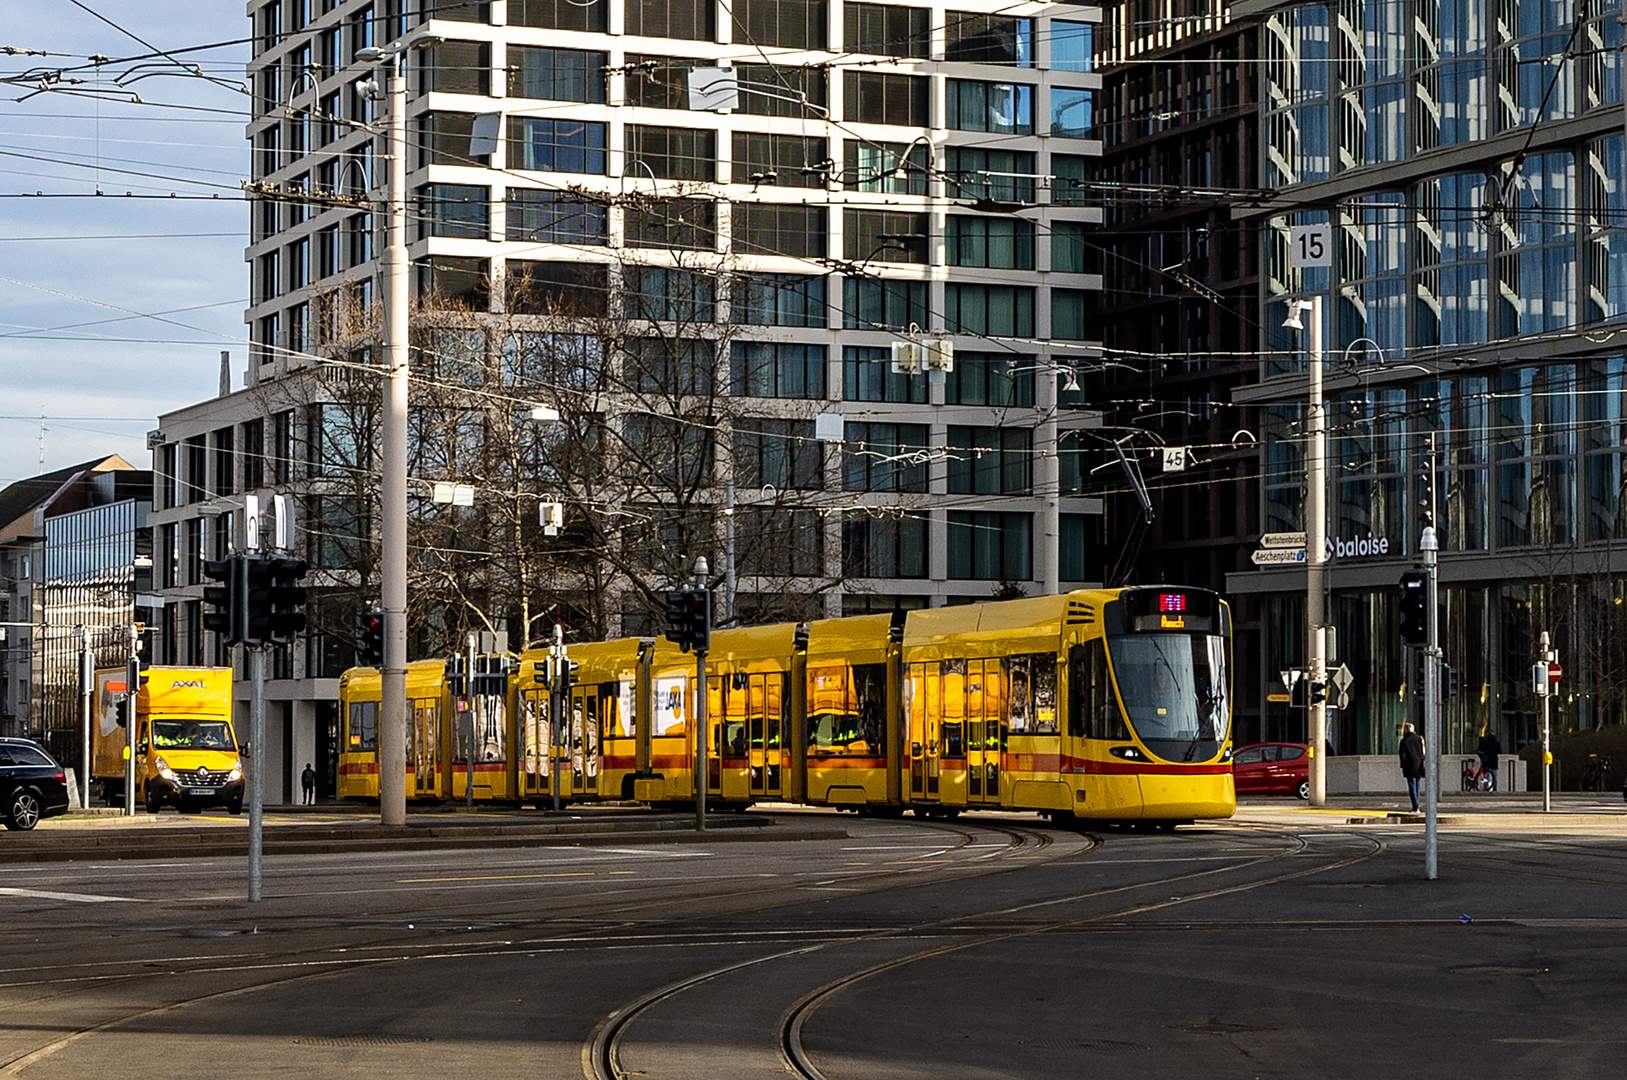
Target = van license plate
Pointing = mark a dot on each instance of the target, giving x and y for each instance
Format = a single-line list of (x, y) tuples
[(200, 791)]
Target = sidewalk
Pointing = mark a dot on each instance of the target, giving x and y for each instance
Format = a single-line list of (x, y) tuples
[(324, 829), (1605, 812)]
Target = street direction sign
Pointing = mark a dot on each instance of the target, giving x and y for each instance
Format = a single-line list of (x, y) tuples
[(1278, 556), (1283, 540), (1342, 678)]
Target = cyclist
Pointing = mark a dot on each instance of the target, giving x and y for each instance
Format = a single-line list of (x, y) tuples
[(1489, 751)]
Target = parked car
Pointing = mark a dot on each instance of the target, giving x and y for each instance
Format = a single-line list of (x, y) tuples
[(1273, 769), (32, 786)]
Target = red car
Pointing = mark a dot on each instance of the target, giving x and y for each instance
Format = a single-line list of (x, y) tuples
[(1277, 768)]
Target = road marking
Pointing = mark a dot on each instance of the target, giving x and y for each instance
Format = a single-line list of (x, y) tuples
[(77, 898), (492, 877)]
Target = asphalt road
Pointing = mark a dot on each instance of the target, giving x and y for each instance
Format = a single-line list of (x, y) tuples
[(1278, 945)]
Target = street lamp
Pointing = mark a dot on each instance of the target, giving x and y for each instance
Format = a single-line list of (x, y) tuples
[(1315, 548), (393, 430)]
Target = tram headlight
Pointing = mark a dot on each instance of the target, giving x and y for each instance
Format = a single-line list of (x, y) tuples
[(1128, 753)]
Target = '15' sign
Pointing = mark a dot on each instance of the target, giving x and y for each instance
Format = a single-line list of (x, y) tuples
[(1310, 245)]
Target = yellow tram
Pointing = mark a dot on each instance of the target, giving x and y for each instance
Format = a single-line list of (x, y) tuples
[(1097, 704)]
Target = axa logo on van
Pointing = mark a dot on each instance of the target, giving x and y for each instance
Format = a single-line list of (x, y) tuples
[(187, 684)]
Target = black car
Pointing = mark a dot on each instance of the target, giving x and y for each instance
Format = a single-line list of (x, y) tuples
[(32, 786)]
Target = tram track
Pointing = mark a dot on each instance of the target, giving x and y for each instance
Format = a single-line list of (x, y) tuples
[(601, 1056)]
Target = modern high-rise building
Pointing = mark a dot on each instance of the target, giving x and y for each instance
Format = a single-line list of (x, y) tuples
[(1448, 181), (882, 174)]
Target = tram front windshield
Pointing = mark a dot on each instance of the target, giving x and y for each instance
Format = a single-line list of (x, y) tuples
[(1174, 690)]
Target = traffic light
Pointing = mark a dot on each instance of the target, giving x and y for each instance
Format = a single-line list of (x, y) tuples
[(1449, 682), (227, 617), (287, 601), (1318, 692), (372, 645), (689, 616), (121, 712), (1414, 607), (491, 675), (567, 675), (456, 677)]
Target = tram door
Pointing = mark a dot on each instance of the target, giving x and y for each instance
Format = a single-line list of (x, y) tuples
[(926, 712), (585, 740), (982, 759), (534, 743), (724, 732), (765, 712), (426, 715)]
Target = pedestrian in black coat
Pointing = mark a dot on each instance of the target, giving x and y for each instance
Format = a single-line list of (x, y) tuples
[(1412, 761)]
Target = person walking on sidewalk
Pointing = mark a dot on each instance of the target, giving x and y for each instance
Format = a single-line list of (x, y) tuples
[(1412, 761), (1489, 750), (307, 781)]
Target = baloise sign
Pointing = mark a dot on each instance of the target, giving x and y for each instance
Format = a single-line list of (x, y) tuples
[(1357, 547)]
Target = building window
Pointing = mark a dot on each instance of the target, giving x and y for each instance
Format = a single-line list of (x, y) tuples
[(777, 452), (456, 67), (789, 229), (887, 30), (556, 74), (270, 275), (997, 175), (359, 238), (885, 546), (782, 90), (886, 167), (783, 542), (971, 38), (872, 304), (875, 97), (192, 551), (889, 236), (774, 369), (658, 82), (568, 146), (1068, 314), (254, 451), (885, 457), (448, 282), (1072, 46), (329, 252), (195, 463), (671, 153), (990, 378), (338, 440), (1080, 545), (781, 160), (1071, 113), (337, 534), (1001, 108), (454, 210), (670, 366), (585, 16), (997, 310), (786, 24), (549, 217), (1068, 247), (686, 20), (1003, 243), (443, 139), (550, 288), (676, 224), (669, 295), (868, 375), (990, 546), (778, 300), (989, 460), (168, 479), (299, 264)]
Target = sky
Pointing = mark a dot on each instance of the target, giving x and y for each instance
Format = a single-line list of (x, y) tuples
[(114, 309)]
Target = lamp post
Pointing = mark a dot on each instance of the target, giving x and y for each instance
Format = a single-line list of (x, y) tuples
[(392, 738), (1315, 548)]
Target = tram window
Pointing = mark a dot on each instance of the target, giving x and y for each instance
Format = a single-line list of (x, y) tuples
[(363, 726), (1093, 711), (734, 738), (953, 745), (870, 694), (1031, 693)]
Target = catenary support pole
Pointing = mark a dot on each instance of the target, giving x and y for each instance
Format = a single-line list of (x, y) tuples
[(87, 691), (469, 698), (393, 462), (1547, 656), (132, 694), (1432, 707)]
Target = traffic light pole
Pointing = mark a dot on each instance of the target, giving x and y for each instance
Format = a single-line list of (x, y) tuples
[(469, 714), (132, 687), (1316, 542), (1432, 707), (700, 740), (87, 691), (257, 757), (1548, 657)]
